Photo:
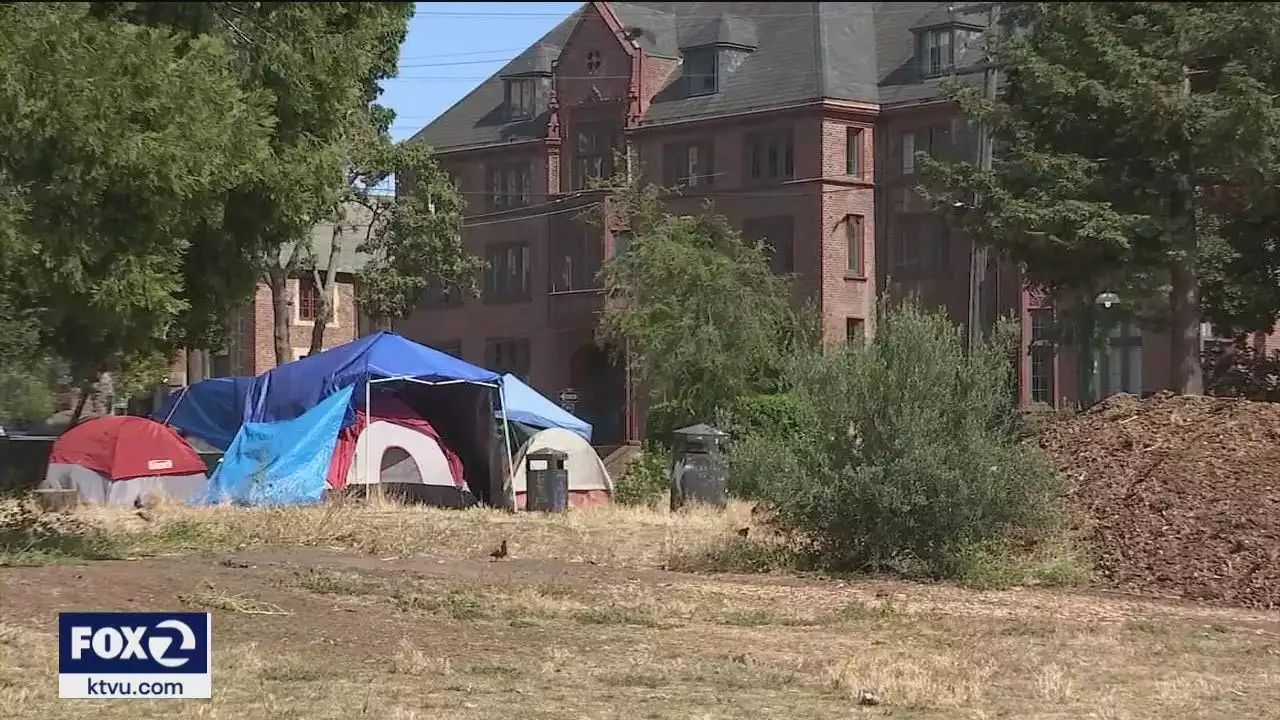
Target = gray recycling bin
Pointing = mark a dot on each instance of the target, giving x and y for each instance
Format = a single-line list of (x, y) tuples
[(547, 481), (699, 467)]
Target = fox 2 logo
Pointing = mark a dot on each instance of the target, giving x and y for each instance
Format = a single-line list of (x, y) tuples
[(155, 649)]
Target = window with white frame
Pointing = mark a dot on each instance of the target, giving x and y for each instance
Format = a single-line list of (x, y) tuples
[(1122, 361), (908, 144), (521, 98), (936, 51), (1042, 351)]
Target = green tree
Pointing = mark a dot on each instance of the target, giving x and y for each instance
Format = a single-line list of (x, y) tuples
[(414, 241), (118, 143), (1128, 131), (702, 318), (320, 65)]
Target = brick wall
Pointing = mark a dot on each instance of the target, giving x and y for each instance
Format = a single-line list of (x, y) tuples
[(342, 329)]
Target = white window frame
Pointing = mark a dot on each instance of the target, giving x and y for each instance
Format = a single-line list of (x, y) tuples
[(295, 303)]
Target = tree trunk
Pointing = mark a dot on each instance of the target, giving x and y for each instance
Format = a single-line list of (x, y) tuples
[(380, 323), (1187, 372), (326, 287), (278, 281), (86, 389), (196, 368)]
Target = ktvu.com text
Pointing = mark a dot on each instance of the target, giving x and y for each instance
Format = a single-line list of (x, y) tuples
[(104, 656)]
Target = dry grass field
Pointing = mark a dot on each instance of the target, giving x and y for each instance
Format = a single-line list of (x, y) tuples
[(399, 614)]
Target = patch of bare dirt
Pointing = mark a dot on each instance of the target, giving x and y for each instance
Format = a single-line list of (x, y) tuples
[(1180, 494), (328, 635)]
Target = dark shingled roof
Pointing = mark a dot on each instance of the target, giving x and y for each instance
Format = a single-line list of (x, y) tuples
[(724, 30), (803, 51), (535, 61)]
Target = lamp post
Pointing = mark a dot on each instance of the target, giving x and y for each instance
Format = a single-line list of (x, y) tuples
[(1089, 370)]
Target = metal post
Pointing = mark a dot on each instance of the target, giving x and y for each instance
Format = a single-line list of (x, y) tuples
[(508, 497), (978, 254), (181, 396), (368, 459), (1087, 362)]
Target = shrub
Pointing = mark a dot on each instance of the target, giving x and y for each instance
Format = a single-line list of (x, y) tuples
[(646, 478), (911, 462), (784, 418), (663, 419)]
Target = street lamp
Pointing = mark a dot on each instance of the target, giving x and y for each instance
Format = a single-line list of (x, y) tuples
[(1089, 370)]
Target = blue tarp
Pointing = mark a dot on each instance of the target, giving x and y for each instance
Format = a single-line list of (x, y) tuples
[(281, 463), (528, 406), (292, 389), (210, 410)]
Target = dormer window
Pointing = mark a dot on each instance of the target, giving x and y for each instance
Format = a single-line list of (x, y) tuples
[(700, 70), (940, 49), (938, 52), (521, 98)]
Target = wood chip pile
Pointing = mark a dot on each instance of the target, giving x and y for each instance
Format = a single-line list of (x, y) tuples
[(1180, 494)]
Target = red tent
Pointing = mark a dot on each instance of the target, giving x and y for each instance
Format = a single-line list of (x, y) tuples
[(121, 460), (121, 447)]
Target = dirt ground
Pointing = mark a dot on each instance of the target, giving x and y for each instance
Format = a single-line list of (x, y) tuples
[(313, 633)]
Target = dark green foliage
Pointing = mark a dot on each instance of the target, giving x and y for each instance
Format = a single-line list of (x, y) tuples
[(1116, 175), (27, 391), (646, 479), (784, 418), (703, 317), (155, 157), (117, 142), (908, 463)]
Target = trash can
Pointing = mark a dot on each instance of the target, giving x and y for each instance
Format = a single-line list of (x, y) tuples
[(547, 481), (699, 468)]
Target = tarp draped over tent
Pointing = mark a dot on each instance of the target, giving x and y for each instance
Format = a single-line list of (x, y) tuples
[(526, 405), (291, 389), (454, 396), (211, 410), (281, 463)]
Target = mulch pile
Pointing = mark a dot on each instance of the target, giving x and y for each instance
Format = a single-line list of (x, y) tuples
[(1180, 494)]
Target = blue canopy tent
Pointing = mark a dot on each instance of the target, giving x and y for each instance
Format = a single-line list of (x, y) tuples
[(211, 410), (461, 395), (525, 405), (291, 389)]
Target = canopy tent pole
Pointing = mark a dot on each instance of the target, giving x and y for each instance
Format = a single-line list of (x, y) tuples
[(410, 378), (368, 460), (174, 409), (506, 432)]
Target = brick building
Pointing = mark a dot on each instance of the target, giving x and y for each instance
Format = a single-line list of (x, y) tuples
[(801, 121)]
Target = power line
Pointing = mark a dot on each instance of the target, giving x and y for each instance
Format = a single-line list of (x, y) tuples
[(470, 53), (561, 211), (456, 78), (888, 12), (456, 63), (684, 21), (746, 193)]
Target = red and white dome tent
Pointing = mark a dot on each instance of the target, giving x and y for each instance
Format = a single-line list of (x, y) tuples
[(120, 459), (394, 446)]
